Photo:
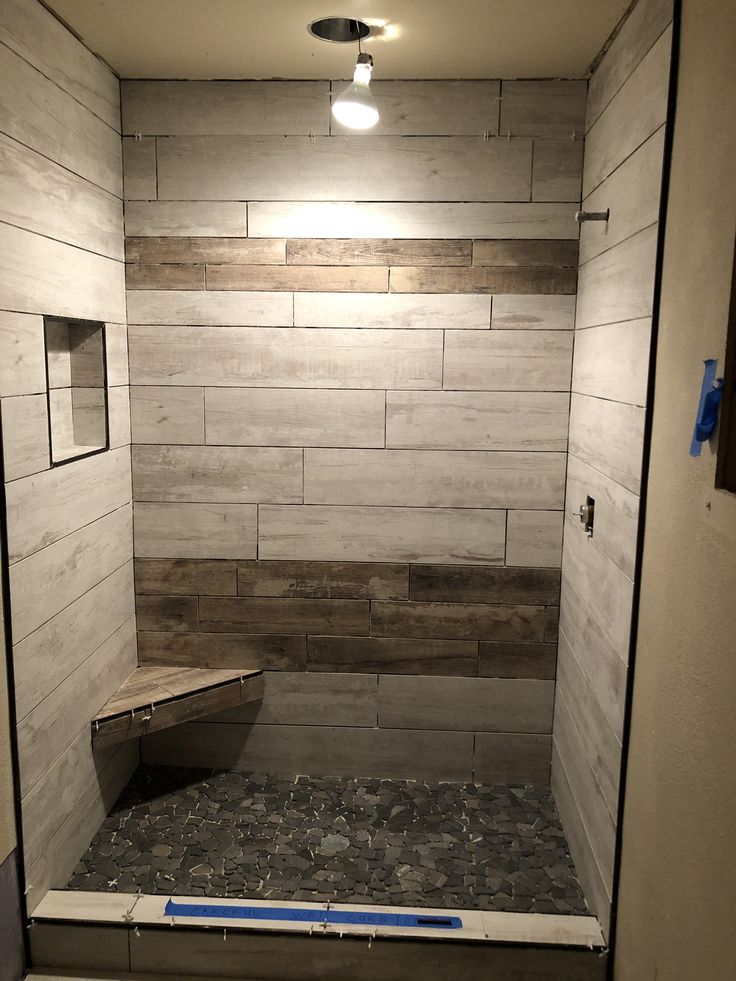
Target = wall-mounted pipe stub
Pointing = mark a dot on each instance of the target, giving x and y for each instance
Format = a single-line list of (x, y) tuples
[(581, 216)]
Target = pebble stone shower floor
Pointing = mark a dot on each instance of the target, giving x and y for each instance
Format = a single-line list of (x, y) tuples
[(190, 832)]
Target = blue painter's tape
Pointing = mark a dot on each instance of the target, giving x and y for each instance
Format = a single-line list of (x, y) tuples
[(710, 398), (295, 914)]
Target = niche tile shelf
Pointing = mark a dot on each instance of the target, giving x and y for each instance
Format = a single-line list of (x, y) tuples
[(156, 697)]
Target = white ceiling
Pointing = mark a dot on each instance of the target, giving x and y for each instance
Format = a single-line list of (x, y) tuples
[(268, 38)]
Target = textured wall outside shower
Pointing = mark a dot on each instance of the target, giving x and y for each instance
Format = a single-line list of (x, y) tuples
[(350, 363)]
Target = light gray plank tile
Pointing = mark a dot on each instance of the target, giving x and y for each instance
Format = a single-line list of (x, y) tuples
[(40, 196), (23, 365), (365, 534), (638, 33), (196, 531), (183, 218), (167, 414), (616, 511), (293, 417), (508, 360), (290, 750), (515, 758), (534, 538), (286, 358), (519, 312), (432, 108), (638, 109), (48, 506), (612, 361), (197, 308), (40, 114), (118, 416), (458, 621), (425, 168), (632, 193), (116, 352), (296, 698), (431, 478), (482, 704), (603, 667), (601, 585), (348, 219), (558, 170), (38, 274), (25, 435), (608, 436), (619, 284), (217, 474), (225, 108), (52, 652), (48, 581), (477, 420), (139, 169), (547, 108), (392, 310), (54, 724)]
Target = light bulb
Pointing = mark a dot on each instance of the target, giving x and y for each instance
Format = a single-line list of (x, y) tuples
[(355, 107)]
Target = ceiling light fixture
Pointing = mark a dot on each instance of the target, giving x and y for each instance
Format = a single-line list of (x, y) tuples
[(355, 107)]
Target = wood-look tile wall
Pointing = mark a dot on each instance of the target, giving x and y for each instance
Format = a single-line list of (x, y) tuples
[(350, 363), (627, 108), (69, 528)]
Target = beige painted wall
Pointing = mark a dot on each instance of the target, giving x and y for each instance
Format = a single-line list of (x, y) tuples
[(678, 885)]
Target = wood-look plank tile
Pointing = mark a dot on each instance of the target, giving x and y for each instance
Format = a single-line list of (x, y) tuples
[(176, 613), (546, 108), (201, 249), (288, 358), (230, 108), (116, 353), (204, 308), (465, 536), (266, 652), (227, 168), (185, 218), (25, 434), (524, 253), (477, 420), (457, 621), (186, 577), (392, 311), (323, 580), (558, 171), (345, 279), (608, 436), (392, 655), (638, 109), (534, 538), (406, 220), (217, 474), (433, 478), (512, 758), (23, 365), (167, 414), (612, 361), (465, 584), (508, 360), (118, 416), (168, 276), (475, 704), (512, 660), (272, 615), (619, 284), (518, 312), (551, 624), (294, 417), (195, 531), (139, 169), (377, 252), (483, 279)]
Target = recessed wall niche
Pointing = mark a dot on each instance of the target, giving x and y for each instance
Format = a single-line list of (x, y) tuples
[(77, 390)]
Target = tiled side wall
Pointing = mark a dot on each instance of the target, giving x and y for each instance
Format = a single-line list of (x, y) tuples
[(69, 528), (627, 109), (350, 363)]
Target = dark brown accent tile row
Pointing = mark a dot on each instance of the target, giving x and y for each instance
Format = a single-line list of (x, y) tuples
[(190, 577), (175, 613), (324, 580), (378, 252), (484, 584), (336, 279), (525, 252), (551, 624), (284, 616), (458, 621), (392, 655), (203, 650), (498, 660), (162, 249), (484, 279), (141, 276)]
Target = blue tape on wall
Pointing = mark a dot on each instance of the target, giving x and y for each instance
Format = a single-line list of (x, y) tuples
[(711, 390), (306, 915)]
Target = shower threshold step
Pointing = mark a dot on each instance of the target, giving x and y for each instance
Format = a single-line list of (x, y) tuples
[(156, 697)]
